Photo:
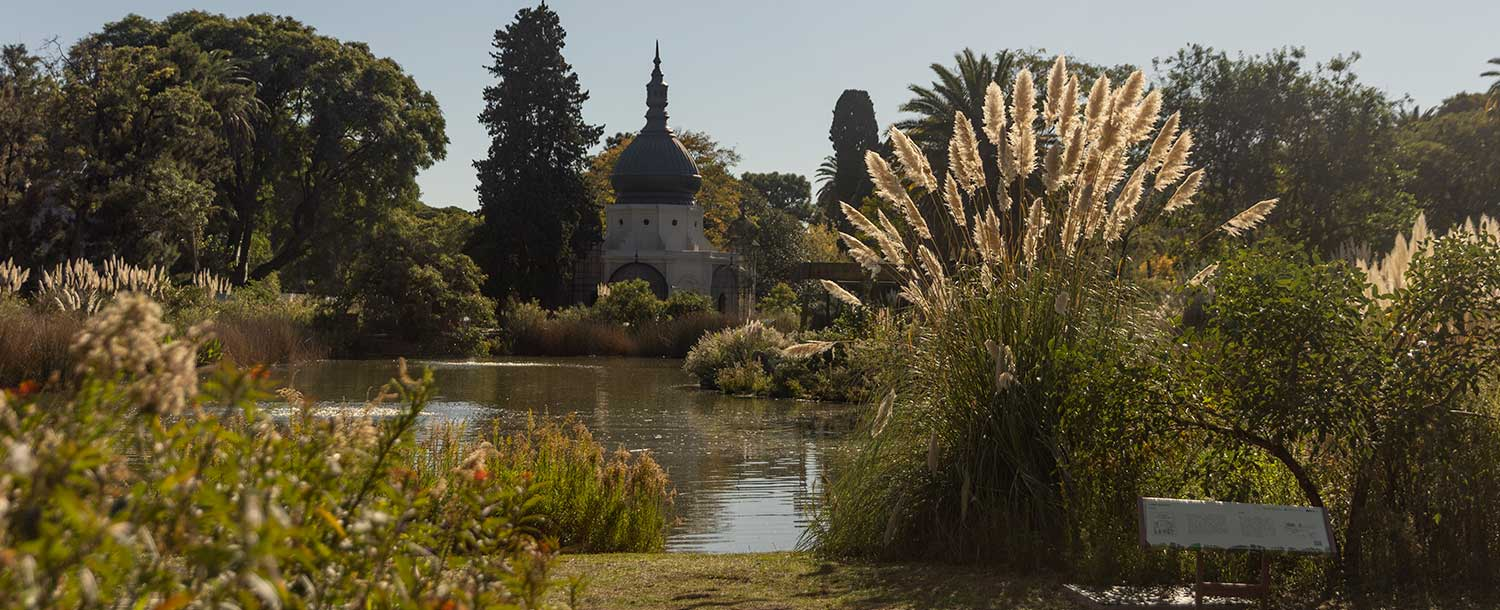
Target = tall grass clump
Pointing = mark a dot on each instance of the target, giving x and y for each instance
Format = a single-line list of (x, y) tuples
[(143, 486), (1012, 294), (594, 501), (34, 345), (730, 348)]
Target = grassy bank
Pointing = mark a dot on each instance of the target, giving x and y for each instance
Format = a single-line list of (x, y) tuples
[(795, 581)]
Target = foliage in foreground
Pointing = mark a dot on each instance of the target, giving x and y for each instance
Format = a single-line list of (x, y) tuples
[(594, 502), (1372, 407), (136, 486)]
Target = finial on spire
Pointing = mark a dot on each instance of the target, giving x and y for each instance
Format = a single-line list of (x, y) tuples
[(656, 96)]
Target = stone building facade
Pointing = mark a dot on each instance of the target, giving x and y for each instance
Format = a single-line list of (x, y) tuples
[(654, 230)]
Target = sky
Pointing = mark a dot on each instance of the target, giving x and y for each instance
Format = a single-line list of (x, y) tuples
[(762, 76)]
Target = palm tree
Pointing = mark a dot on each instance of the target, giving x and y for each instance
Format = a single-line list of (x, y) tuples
[(1494, 92), (960, 88), (828, 203)]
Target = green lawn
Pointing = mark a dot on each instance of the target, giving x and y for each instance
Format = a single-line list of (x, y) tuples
[(762, 581)]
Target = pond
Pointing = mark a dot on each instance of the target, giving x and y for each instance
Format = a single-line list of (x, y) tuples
[(746, 470)]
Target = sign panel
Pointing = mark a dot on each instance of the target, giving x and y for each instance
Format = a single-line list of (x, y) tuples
[(1231, 525)]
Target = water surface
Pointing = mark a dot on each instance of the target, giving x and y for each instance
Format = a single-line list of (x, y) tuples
[(745, 469)]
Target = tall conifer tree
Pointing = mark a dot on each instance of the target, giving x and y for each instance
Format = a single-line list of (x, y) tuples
[(539, 217), (853, 132)]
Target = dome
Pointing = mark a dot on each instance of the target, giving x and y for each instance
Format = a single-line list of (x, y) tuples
[(655, 168)]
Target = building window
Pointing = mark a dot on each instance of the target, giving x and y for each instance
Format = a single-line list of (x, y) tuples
[(674, 222), (645, 221)]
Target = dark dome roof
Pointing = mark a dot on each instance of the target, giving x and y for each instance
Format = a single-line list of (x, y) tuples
[(655, 167)]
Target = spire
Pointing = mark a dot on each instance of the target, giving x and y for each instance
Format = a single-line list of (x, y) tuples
[(656, 97)]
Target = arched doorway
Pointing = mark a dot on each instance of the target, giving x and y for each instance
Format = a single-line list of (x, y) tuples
[(725, 288), (642, 271)]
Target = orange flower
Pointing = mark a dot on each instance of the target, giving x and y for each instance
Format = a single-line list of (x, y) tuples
[(27, 388), (260, 372), (481, 474), (526, 476)]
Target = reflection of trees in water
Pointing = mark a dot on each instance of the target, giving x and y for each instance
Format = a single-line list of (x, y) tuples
[(731, 459)]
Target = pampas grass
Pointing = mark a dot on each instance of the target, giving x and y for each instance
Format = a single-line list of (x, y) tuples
[(77, 285), (1386, 274), (12, 278), (1248, 219), (994, 315)]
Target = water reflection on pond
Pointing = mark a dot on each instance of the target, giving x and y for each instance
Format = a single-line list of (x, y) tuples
[(745, 470)]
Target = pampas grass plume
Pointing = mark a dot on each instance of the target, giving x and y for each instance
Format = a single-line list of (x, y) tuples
[(1248, 219)]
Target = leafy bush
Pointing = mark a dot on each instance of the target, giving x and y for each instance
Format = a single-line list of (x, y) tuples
[(744, 378), (781, 300), (683, 303), (755, 360), (751, 343), (1372, 406), (630, 302), (132, 491)]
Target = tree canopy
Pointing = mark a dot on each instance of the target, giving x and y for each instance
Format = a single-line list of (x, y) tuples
[(539, 217), (853, 132), (1314, 136), (241, 145)]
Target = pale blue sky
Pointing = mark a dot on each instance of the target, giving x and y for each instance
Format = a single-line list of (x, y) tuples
[(762, 76)]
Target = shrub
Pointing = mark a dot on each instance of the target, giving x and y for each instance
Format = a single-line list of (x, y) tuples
[(781, 300), (132, 491), (267, 339), (683, 303), (744, 378), (1371, 405), (753, 342), (630, 302)]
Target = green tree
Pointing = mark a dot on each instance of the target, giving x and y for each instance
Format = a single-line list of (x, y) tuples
[(28, 96), (1451, 160), (853, 132), (135, 155), (827, 171), (771, 241), (330, 143), (539, 217), (790, 193), (412, 282), (1316, 137)]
